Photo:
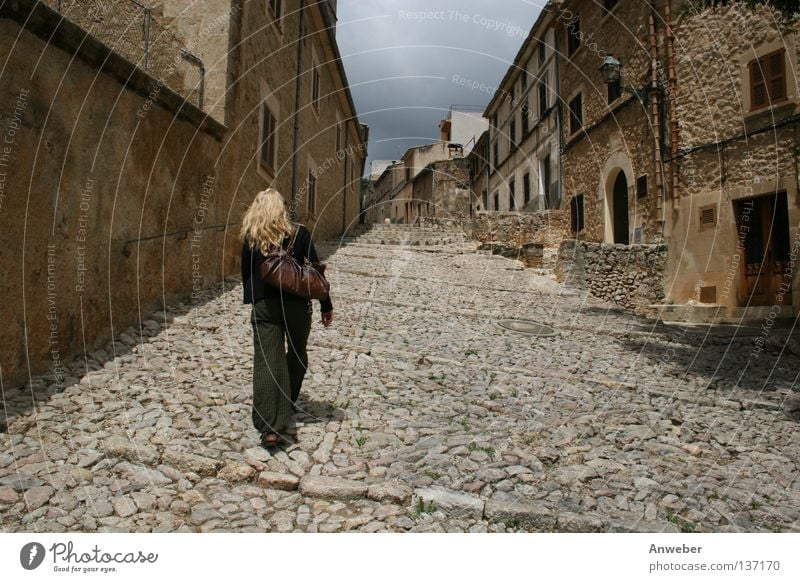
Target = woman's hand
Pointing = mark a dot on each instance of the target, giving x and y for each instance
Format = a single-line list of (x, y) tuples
[(327, 318)]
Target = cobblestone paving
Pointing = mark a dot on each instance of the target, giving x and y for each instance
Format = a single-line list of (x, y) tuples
[(419, 414)]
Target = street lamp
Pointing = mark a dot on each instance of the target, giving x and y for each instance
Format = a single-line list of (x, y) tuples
[(612, 74)]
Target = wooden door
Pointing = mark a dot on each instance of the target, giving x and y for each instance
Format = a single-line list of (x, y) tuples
[(763, 226), (621, 227)]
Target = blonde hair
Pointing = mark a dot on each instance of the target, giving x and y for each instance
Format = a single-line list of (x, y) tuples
[(266, 221)]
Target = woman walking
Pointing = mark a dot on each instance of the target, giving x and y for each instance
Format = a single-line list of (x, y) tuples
[(278, 318)]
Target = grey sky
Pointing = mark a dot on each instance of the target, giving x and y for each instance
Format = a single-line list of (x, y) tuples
[(408, 61)]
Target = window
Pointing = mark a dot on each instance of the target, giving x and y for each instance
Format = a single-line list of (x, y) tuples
[(276, 8), (496, 155), (485, 200), (575, 113), (524, 80), (641, 186), (608, 5), (269, 139), (512, 135), (542, 51), (512, 198), (497, 201), (576, 213), (542, 97), (312, 193), (315, 86), (526, 188), (525, 119), (546, 178), (614, 90), (574, 34), (408, 174), (767, 80), (513, 94)]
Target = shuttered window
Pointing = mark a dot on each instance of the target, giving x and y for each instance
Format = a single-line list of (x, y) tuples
[(768, 80)]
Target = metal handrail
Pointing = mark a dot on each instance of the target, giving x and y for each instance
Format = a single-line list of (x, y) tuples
[(180, 233)]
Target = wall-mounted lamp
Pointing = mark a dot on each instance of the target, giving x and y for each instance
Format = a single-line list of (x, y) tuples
[(612, 73)]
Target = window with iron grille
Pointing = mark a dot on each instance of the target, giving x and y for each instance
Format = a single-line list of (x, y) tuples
[(576, 213), (542, 97), (526, 189), (641, 186), (512, 135), (269, 126), (768, 80), (574, 34), (575, 113), (525, 111)]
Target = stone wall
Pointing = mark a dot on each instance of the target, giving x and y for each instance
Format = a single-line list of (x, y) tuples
[(514, 229), (87, 165), (631, 276)]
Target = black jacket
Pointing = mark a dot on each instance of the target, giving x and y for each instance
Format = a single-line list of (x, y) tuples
[(254, 288)]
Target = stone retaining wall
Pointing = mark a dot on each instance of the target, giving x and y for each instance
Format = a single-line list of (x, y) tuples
[(630, 276), (515, 229)]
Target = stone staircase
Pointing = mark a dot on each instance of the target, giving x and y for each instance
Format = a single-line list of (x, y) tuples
[(404, 235)]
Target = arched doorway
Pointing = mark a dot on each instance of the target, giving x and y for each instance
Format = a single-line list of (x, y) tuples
[(619, 210)]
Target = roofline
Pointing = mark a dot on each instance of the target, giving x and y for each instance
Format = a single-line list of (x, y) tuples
[(544, 16), (329, 18)]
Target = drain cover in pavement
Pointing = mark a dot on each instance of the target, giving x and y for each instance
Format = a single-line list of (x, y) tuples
[(526, 327)]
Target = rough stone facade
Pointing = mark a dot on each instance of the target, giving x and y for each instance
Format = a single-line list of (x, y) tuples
[(442, 189), (514, 229), (631, 276), (718, 167), (614, 137)]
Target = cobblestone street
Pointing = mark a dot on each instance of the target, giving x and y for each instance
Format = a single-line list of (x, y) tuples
[(419, 413)]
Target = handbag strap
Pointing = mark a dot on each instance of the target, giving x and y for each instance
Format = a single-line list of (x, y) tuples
[(290, 248)]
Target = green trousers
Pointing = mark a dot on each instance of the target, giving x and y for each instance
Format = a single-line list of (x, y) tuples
[(278, 369)]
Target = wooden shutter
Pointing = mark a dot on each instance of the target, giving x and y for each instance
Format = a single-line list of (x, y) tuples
[(767, 80)]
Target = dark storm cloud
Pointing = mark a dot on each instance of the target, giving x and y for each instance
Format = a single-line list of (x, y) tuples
[(408, 61)]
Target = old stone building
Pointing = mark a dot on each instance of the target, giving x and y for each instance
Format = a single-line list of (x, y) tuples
[(393, 192), (136, 134), (733, 218), (611, 154), (479, 171), (463, 127), (442, 190), (524, 127)]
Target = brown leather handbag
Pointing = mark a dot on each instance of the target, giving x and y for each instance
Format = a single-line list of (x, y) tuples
[(281, 270)]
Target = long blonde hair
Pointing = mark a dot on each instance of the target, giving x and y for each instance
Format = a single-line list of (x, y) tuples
[(266, 221)]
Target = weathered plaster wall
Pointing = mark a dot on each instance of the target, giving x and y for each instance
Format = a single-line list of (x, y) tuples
[(87, 165)]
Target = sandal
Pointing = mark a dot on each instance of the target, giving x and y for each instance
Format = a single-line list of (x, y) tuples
[(270, 439)]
